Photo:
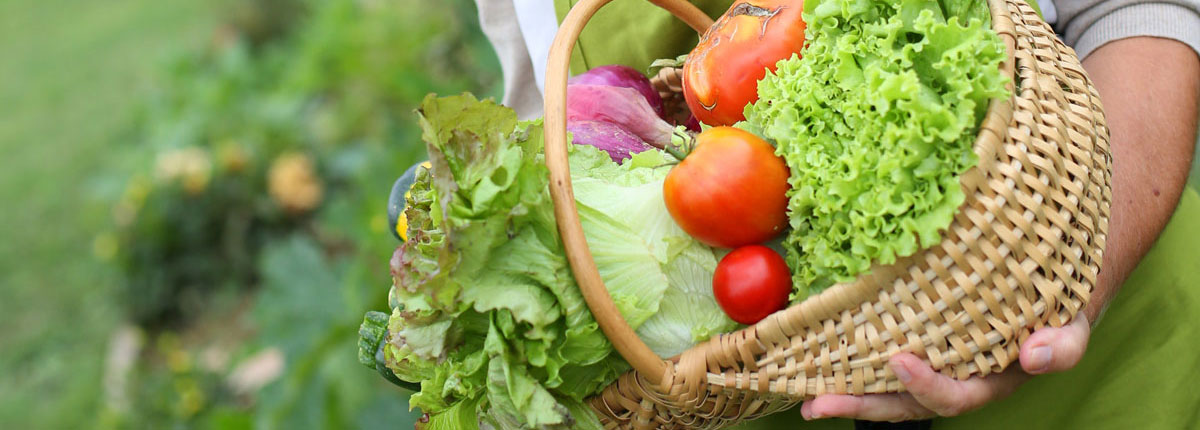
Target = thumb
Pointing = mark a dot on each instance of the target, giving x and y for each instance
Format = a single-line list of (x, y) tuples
[(1051, 349)]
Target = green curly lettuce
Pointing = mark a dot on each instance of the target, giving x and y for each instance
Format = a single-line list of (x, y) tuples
[(486, 315), (876, 122)]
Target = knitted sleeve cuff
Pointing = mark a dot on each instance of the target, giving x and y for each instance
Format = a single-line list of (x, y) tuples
[(1164, 20)]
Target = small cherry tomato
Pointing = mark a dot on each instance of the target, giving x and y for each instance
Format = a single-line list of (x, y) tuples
[(720, 76), (752, 282), (731, 190)]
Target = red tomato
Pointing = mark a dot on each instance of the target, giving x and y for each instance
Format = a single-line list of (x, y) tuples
[(731, 190), (721, 74), (752, 282)]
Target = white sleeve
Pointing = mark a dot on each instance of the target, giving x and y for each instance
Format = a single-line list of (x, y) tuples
[(500, 23), (539, 24)]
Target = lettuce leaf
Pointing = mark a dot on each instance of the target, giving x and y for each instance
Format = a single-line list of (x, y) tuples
[(632, 193), (486, 315), (877, 121)]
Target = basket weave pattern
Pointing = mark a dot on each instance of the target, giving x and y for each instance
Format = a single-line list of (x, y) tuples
[(1022, 252)]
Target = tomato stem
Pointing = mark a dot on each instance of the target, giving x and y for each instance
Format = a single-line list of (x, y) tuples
[(681, 150), (675, 152)]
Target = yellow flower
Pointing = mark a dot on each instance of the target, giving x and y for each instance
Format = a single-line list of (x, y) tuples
[(179, 361), (293, 183), (190, 167), (131, 201), (137, 190), (191, 399), (233, 156)]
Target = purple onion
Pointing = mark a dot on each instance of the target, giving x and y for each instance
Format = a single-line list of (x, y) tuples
[(615, 75), (620, 106), (619, 143)]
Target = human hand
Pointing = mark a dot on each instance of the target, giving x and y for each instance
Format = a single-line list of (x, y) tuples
[(932, 394)]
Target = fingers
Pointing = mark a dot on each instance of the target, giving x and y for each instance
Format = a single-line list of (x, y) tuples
[(930, 393), (874, 407), (1051, 349), (946, 396), (939, 393)]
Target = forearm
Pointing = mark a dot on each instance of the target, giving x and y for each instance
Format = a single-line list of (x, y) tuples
[(1149, 87)]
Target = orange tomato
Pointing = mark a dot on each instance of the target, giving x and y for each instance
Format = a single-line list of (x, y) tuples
[(730, 191), (720, 76)]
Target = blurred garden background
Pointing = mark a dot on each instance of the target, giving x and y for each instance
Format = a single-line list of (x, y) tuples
[(194, 218), (195, 193)]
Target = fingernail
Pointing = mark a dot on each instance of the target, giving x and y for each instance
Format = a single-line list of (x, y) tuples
[(901, 373), (1040, 358)]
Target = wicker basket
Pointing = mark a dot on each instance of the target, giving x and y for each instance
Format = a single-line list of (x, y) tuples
[(1022, 252)]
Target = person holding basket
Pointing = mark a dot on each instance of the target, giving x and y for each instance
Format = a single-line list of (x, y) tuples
[(1130, 359)]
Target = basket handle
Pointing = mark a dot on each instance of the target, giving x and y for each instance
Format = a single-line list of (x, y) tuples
[(627, 343)]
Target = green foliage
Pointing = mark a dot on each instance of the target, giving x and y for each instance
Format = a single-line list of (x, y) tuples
[(261, 21), (72, 72), (338, 91), (171, 387), (268, 163), (309, 302)]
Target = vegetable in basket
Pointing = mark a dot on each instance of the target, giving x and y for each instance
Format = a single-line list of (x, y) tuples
[(876, 123), (752, 282), (730, 190), (619, 143), (616, 75), (486, 315), (721, 74), (620, 106), (615, 108)]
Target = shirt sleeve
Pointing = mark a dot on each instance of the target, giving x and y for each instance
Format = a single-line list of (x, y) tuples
[(498, 20), (1089, 24)]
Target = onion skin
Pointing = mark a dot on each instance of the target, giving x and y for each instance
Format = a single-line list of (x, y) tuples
[(623, 107), (615, 75), (619, 143)]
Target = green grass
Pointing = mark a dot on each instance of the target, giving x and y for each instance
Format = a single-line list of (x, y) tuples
[(73, 74)]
